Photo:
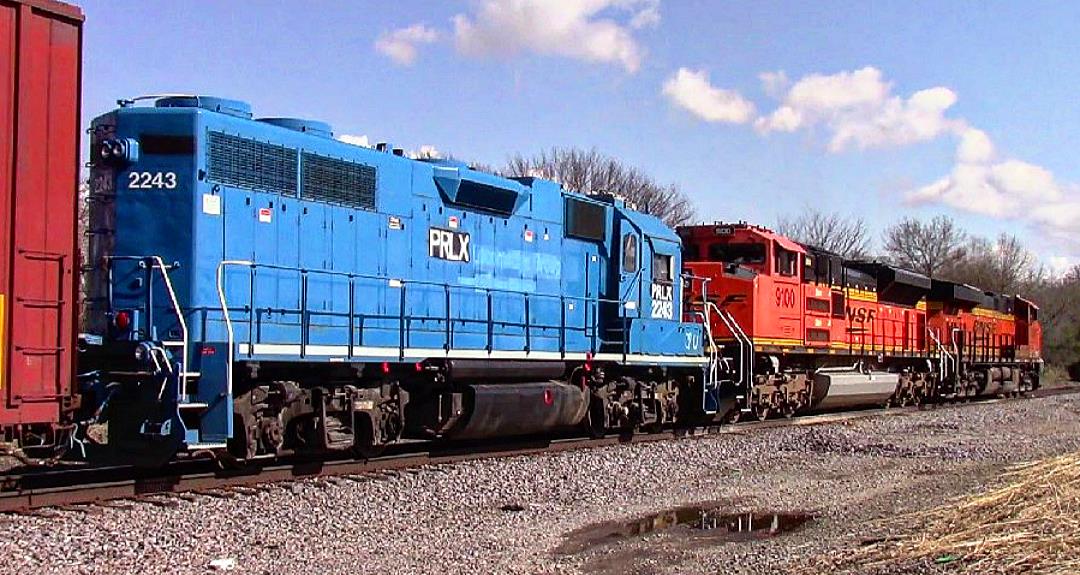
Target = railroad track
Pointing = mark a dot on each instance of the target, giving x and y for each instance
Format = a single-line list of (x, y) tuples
[(79, 486)]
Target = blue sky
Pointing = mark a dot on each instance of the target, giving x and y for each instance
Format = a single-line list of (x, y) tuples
[(883, 108)]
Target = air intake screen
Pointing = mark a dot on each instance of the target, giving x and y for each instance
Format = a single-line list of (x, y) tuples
[(338, 181), (244, 163)]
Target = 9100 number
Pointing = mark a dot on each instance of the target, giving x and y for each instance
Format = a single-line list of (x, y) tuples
[(785, 297), (152, 180)]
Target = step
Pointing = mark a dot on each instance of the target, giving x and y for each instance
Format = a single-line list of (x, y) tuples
[(193, 405), (207, 446)]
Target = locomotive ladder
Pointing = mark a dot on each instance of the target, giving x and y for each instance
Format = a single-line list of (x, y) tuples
[(181, 346), (746, 355), (946, 358), (184, 376)]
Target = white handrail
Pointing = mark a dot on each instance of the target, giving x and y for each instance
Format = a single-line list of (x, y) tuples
[(125, 102), (160, 264), (228, 320), (746, 350)]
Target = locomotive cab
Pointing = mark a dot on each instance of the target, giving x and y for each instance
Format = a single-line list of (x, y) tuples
[(754, 274), (648, 287)]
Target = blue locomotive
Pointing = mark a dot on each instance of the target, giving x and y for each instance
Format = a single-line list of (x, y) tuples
[(258, 286)]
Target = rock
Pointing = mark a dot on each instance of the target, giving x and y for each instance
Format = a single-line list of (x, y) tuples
[(223, 564)]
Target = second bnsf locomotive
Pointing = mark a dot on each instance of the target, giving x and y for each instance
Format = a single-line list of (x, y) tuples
[(802, 328)]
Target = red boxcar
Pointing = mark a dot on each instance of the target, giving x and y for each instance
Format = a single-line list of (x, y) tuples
[(39, 173)]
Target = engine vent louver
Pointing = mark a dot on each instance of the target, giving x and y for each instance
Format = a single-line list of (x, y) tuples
[(338, 181), (244, 163)]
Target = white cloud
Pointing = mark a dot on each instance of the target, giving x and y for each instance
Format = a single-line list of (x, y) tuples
[(1060, 265), (579, 29), (361, 140), (981, 183), (401, 45), (975, 147), (691, 90), (857, 108)]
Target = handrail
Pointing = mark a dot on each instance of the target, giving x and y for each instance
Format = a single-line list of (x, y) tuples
[(159, 263), (180, 317), (589, 302), (946, 356), (228, 320), (478, 289), (126, 102), (746, 373)]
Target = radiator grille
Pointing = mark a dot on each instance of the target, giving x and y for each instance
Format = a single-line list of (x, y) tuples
[(338, 181), (244, 163)]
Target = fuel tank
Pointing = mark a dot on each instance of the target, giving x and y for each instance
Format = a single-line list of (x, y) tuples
[(500, 410), (848, 389)]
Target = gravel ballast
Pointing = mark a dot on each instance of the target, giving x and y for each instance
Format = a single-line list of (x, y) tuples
[(514, 515)]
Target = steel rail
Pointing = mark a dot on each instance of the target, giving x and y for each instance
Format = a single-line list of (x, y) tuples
[(90, 485)]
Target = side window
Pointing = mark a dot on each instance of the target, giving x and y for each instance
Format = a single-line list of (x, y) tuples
[(838, 304), (661, 268), (629, 253), (786, 262)]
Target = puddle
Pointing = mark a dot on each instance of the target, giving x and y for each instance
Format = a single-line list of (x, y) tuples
[(715, 523)]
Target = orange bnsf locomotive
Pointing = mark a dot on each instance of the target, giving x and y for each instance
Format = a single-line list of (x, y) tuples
[(802, 329)]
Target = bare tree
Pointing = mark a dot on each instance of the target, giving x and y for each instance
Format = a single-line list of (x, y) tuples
[(844, 235), (929, 248), (589, 171), (1003, 266)]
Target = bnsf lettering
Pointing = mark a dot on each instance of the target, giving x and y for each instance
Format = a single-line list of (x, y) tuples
[(785, 297), (448, 245), (861, 315)]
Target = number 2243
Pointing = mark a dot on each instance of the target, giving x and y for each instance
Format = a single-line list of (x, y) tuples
[(152, 180)]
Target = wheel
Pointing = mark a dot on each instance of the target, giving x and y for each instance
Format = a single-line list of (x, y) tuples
[(596, 421), (789, 407), (657, 425), (762, 412)]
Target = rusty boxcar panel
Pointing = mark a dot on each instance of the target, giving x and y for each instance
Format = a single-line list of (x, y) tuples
[(40, 56)]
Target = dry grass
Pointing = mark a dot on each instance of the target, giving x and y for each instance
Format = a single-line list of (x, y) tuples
[(1030, 525)]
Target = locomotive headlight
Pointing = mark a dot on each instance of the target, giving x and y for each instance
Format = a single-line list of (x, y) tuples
[(119, 151)]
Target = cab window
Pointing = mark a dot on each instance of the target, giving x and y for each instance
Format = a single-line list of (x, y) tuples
[(786, 262), (661, 268), (629, 253), (738, 253)]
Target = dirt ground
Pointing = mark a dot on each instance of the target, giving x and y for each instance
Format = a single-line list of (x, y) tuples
[(850, 479)]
